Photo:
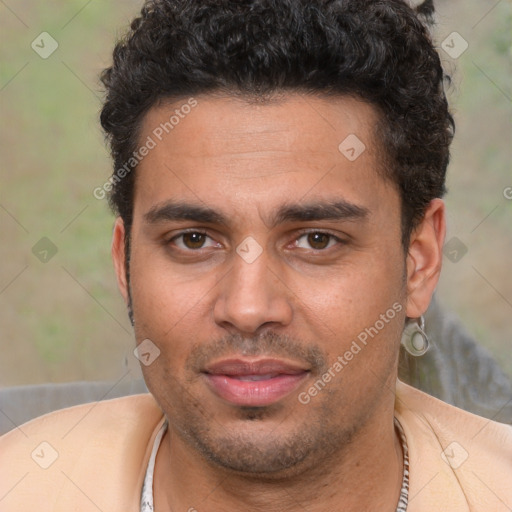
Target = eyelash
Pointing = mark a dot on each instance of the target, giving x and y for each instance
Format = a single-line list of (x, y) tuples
[(300, 235), (328, 233), (192, 230)]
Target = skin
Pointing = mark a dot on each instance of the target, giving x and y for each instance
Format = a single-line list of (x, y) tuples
[(304, 300)]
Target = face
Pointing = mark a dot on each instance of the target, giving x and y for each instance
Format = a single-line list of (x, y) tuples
[(267, 271)]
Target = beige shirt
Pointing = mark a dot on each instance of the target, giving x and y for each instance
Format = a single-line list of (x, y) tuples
[(94, 456)]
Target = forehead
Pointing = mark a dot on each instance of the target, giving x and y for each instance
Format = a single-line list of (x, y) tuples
[(228, 151), (289, 122)]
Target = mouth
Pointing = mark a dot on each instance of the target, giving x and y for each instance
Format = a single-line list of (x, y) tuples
[(254, 383)]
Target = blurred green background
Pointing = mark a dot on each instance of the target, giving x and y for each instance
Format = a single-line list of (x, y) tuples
[(64, 320)]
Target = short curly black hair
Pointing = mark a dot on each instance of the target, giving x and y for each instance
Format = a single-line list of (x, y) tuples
[(379, 51)]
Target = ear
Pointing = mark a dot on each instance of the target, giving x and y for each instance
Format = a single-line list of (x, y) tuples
[(119, 257), (424, 258)]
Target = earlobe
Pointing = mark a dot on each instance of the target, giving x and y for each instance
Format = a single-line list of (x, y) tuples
[(424, 258), (118, 257)]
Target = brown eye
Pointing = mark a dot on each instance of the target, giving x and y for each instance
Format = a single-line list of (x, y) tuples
[(194, 240), (318, 240)]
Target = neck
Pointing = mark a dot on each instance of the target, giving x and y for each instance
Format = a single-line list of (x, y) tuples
[(363, 475)]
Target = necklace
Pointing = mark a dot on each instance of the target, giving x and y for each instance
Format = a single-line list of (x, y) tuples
[(404, 491)]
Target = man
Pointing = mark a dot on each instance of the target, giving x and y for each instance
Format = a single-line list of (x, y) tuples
[(278, 174)]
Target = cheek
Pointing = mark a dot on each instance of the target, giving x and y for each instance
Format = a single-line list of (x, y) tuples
[(165, 311), (364, 317), (353, 297), (163, 295), (172, 307)]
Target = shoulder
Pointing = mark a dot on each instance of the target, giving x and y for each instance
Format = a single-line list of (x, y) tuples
[(74, 455), (457, 459)]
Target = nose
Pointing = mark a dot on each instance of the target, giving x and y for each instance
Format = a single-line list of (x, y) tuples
[(251, 298)]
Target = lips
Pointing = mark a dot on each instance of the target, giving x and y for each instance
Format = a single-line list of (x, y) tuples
[(254, 383)]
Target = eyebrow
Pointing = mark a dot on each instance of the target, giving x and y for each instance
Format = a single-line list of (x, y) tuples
[(335, 210), (172, 211), (338, 209)]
